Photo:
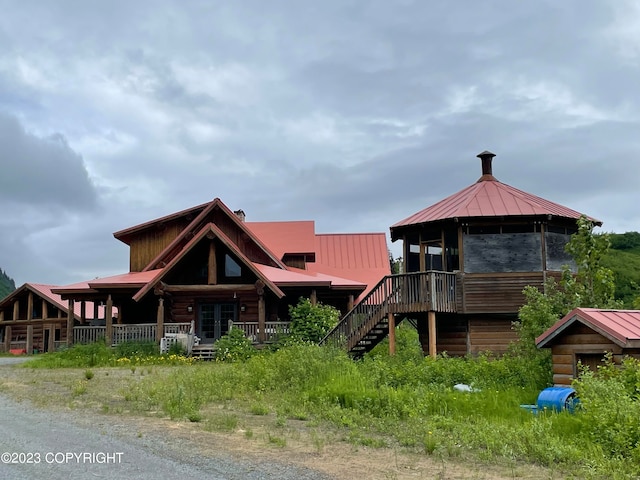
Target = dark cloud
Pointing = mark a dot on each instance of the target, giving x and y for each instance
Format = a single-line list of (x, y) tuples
[(41, 171)]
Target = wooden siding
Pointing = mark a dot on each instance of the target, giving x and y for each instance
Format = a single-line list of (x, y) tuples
[(145, 246), (451, 335), (491, 335), (493, 292)]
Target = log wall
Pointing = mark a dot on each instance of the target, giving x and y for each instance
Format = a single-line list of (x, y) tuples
[(494, 292), (580, 342)]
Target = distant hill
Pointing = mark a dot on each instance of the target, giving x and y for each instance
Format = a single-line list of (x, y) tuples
[(7, 285), (624, 259)]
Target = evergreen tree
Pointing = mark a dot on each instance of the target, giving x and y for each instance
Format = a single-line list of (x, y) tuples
[(7, 285)]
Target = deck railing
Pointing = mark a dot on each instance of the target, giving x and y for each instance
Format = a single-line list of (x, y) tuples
[(137, 332), (396, 294), (272, 330)]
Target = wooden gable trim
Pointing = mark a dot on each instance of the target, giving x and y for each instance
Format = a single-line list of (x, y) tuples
[(210, 228), (162, 256)]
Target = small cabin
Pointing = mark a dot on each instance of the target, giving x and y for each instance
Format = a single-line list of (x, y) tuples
[(585, 335)]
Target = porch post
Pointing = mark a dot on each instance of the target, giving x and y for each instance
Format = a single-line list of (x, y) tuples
[(432, 333), (108, 317), (83, 312), (45, 309), (314, 297), (160, 320), (7, 338), (262, 337), (392, 334), (16, 310), (350, 303), (52, 338), (29, 347), (70, 323)]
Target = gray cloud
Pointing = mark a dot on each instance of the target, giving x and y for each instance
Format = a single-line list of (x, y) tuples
[(355, 114)]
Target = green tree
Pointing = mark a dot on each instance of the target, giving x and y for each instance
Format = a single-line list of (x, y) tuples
[(7, 285)]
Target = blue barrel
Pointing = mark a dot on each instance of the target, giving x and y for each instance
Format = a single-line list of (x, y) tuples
[(558, 399)]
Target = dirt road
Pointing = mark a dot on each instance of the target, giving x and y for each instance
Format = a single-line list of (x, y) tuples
[(55, 445)]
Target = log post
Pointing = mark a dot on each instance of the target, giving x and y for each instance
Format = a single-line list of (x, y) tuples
[(52, 338), (262, 335), (212, 277), (350, 303), (29, 347), (70, 323), (29, 306), (432, 333), (45, 309), (7, 338), (83, 312), (16, 310), (314, 297), (160, 320), (1, 315), (108, 317), (392, 334)]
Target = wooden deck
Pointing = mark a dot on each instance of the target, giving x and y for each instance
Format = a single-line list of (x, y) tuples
[(368, 322)]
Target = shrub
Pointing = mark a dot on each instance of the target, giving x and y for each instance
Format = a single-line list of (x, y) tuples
[(309, 322), (233, 347)]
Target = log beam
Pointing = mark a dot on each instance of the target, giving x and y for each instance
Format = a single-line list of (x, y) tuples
[(209, 288)]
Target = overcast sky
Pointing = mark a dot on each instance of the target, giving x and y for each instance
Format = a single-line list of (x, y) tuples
[(354, 114)]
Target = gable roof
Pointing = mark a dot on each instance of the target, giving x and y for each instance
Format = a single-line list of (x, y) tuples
[(126, 234), (46, 292), (620, 326), (195, 225), (209, 228)]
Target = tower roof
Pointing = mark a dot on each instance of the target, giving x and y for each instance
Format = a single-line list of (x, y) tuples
[(489, 197)]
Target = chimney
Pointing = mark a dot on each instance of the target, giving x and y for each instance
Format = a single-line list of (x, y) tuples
[(487, 173), (240, 214)]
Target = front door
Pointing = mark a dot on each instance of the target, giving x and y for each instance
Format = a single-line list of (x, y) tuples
[(213, 320)]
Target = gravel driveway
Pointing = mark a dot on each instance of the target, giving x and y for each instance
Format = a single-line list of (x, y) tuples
[(52, 445)]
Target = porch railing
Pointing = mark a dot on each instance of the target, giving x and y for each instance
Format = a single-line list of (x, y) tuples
[(137, 332), (272, 330)]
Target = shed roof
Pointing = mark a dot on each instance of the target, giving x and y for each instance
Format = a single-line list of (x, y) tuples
[(620, 326), (489, 197)]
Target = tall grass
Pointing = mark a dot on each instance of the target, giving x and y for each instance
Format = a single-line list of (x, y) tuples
[(409, 401)]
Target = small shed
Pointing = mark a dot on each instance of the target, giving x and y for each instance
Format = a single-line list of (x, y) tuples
[(585, 335)]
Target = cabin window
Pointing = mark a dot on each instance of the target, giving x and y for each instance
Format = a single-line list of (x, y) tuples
[(231, 267), (507, 252)]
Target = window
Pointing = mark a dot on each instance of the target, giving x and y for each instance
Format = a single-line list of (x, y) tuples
[(231, 267)]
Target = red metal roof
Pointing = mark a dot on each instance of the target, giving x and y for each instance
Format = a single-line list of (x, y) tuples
[(296, 237), (363, 257), (489, 198), (298, 277), (620, 326)]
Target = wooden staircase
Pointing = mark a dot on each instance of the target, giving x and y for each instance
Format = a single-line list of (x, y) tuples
[(367, 323)]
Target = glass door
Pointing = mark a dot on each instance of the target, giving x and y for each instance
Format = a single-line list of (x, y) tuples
[(213, 320)]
